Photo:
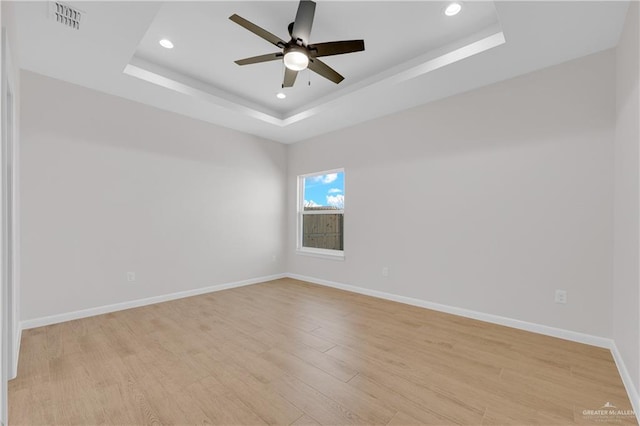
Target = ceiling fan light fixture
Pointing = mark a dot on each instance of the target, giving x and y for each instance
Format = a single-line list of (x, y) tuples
[(453, 8), (296, 59)]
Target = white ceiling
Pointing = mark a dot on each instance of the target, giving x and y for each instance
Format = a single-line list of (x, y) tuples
[(207, 43), (414, 55)]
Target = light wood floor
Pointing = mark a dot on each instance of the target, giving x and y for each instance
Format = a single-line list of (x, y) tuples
[(292, 353)]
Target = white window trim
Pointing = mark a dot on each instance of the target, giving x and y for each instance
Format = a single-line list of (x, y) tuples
[(321, 253), (312, 251)]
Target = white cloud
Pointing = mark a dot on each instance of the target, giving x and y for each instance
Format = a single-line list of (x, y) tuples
[(311, 203), (334, 191), (328, 178), (336, 200)]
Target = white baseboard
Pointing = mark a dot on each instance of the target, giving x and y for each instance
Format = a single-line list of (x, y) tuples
[(575, 336), (99, 310), (634, 396)]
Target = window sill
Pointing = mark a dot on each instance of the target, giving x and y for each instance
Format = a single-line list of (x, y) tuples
[(323, 254)]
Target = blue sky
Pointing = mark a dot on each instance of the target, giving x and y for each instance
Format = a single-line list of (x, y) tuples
[(324, 190)]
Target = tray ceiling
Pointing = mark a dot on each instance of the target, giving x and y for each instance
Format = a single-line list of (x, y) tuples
[(414, 55)]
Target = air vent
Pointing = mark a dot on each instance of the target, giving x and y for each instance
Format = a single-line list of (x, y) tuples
[(65, 14)]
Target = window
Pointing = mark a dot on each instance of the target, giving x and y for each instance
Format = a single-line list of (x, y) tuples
[(321, 213)]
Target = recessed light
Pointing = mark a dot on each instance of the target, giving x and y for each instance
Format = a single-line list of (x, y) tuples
[(166, 43), (453, 9), (280, 95)]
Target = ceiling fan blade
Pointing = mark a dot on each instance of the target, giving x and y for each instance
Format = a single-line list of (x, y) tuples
[(319, 67), (271, 38), (304, 21), (289, 77), (336, 48), (262, 58)]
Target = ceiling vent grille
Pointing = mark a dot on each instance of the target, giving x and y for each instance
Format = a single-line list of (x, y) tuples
[(65, 14)]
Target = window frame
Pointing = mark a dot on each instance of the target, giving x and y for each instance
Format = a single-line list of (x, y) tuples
[(313, 251)]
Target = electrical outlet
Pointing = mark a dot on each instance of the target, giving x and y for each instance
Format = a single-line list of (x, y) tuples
[(131, 276), (561, 296), (385, 271)]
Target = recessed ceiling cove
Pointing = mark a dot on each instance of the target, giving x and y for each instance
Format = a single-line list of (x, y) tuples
[(414, 54), (404, 40)]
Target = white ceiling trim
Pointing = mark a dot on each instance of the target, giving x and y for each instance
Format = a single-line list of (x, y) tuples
[(178, 82), (162, 76)]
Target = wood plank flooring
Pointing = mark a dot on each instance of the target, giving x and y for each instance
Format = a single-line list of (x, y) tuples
[(292, 353)]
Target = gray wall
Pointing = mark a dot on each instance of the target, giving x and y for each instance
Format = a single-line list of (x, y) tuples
[(489, 200), (110, 186), (626, 286)]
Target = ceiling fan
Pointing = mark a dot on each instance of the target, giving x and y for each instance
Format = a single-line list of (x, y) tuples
[(298, 53)]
